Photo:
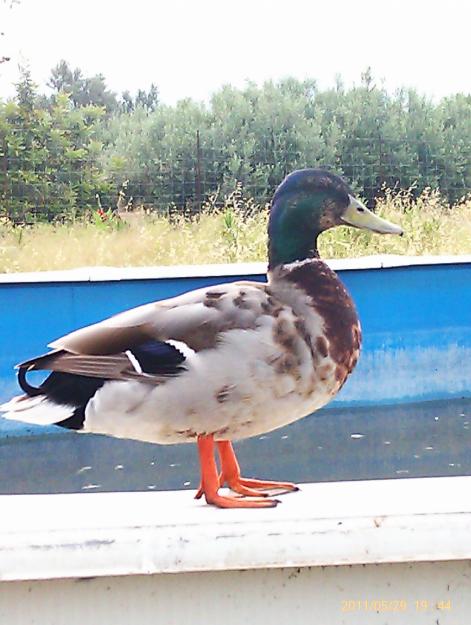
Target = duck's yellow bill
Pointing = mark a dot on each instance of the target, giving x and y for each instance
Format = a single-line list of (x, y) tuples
[(356, 214)]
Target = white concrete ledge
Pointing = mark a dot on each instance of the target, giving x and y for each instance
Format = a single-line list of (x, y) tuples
[(343, 523), (100, 274)]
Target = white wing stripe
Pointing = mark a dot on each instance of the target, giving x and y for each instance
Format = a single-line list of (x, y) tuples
[(133, 360)]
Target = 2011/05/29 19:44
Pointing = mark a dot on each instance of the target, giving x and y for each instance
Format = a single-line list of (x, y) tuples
[(393, 605)]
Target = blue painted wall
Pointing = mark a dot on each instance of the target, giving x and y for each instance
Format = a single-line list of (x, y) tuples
[(416, 325)]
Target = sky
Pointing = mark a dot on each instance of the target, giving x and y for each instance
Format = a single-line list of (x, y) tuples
[(189, 48)]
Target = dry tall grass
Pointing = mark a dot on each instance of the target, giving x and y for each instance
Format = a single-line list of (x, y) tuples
[(236, 233)]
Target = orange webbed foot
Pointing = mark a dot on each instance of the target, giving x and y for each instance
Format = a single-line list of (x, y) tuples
[(211, 481), (222, 501), (250, 487), (257, 487)]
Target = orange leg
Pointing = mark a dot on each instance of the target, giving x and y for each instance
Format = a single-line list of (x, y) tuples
[(230, 474), (210, 481)]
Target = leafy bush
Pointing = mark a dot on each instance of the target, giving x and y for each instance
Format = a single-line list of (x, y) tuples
[(49, 157), (56, 155), (256, 135)]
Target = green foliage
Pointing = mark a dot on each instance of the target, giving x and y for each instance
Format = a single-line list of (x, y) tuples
[(82, 91), (49, 159), (148, 100), (256, 135), (92, 91), (57, 153), (107, 220)]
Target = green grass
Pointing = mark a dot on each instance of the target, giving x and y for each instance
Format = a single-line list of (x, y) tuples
[(236, 233)]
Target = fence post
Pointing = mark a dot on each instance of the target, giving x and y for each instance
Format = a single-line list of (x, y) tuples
[(4, 169), (198, 173)]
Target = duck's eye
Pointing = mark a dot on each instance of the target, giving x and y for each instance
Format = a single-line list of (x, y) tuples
[(360, 209)]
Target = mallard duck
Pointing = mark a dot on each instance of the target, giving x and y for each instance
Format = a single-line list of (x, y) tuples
[(220, 363)]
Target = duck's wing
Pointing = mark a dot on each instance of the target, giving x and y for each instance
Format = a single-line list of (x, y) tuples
[(151, 361), (153, 341)]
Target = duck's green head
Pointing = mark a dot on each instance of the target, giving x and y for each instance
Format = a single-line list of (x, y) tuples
[(306, 203)]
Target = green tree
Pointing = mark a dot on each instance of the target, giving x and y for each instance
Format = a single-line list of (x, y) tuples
[(83, 91), (146, 99), (50, 158), (56, 155), (255, 135), (455, 174)]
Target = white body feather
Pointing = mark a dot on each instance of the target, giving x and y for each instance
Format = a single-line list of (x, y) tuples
[(231, 392)]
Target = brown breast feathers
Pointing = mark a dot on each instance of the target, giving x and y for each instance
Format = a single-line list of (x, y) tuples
[(332, 302)]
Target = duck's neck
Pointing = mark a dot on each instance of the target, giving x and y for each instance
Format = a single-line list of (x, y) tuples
[(293, 229)]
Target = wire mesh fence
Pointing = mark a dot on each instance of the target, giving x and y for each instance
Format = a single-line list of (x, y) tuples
[(32, 189)]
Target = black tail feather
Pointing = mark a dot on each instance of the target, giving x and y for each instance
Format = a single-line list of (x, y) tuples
[(65, 389), (32, 391), (76, 421), (62, 388), (70, 389)]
